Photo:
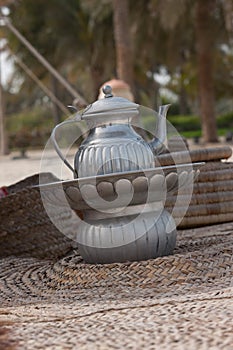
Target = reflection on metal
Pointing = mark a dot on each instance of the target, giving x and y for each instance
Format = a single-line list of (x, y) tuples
[(118, 193)]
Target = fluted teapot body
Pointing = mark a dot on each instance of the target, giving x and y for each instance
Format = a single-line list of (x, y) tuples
[(112, 148)]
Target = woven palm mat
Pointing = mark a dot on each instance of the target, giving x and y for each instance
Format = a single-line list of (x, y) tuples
[(182, 301), (25, 228)]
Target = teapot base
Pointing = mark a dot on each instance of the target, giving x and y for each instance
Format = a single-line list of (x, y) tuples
[(143, 237)]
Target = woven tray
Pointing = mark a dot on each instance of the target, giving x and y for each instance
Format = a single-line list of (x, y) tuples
[(25, 228), (198, 155), (212, 199)]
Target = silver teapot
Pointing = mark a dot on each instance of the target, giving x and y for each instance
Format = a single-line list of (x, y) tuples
[(132, 224), (112, 144)]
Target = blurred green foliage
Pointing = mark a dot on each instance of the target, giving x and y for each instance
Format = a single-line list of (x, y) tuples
[(29, 129), (32, 128), (30, 119), (190, 125)]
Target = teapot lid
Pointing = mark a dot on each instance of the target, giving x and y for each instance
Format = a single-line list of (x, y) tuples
[(110, 106)]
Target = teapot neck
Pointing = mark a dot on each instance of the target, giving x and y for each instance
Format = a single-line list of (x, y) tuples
[(112, 130), (103, 121)]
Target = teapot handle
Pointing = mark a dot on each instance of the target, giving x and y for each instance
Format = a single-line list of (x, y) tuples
[(55, 144)]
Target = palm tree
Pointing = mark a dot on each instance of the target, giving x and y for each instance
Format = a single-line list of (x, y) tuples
[(3, 134), (124, 62), (4, 148), (205, 55)]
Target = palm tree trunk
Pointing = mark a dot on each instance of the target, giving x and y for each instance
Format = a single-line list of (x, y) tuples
[(228, 12), (205, 53), (3, 133), (122, 41)]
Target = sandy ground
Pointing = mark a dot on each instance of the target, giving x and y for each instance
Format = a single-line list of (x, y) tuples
[(13, 168)]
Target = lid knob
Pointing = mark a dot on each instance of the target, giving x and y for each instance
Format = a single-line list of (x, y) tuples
[(107, 90)]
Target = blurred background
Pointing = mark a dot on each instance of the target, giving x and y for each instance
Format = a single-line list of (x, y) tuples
[(59, 52)]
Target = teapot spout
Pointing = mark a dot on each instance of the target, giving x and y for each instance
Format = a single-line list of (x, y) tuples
[(157, 144), (163, 110)]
